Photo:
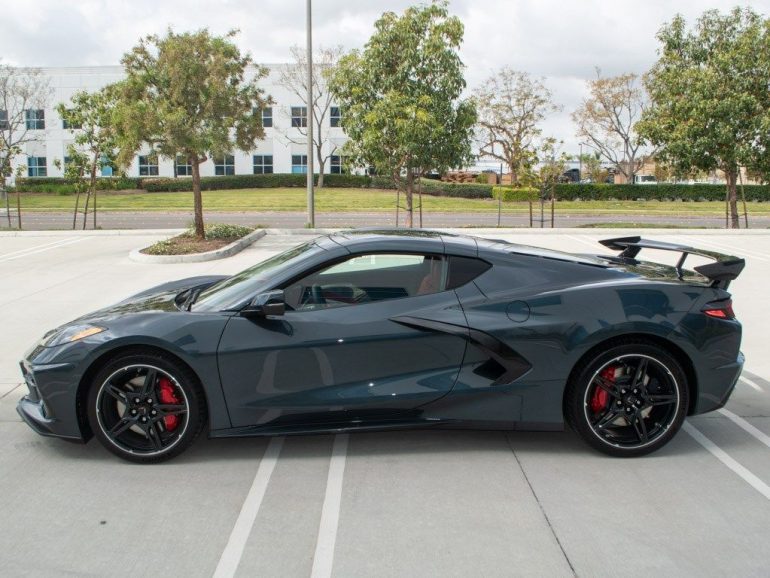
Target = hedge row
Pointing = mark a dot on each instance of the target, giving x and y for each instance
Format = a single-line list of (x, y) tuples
[(660, 192), (512, 195), (564, 192), (60, 184), (252, 182)]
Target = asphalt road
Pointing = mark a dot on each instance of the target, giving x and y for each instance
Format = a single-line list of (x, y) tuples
[(163, 220), (416, 503)]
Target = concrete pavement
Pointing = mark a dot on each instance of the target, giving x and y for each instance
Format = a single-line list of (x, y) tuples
[(416, 503)]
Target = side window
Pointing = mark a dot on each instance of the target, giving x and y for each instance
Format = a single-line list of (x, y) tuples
[(368, 278), (463, 270)]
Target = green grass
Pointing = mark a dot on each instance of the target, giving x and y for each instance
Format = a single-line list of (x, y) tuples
[(358, 200), (631, 225)]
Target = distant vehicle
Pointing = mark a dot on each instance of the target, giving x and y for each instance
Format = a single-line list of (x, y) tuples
[(645, 180), (380, 330)]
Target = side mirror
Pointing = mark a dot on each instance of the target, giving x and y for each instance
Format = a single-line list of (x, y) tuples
[(264, 304)]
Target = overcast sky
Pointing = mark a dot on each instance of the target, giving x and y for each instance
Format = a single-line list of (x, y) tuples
[(559, 40)]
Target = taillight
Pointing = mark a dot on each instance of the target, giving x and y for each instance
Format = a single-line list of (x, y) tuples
[(720, 309)]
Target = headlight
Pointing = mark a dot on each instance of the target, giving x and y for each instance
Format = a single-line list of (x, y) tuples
[(71, 333)]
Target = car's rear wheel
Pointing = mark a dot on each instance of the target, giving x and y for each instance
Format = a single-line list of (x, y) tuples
[(145, 407), (629, 400)]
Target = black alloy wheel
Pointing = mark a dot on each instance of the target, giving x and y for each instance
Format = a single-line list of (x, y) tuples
[(629, 400), (145, 408)]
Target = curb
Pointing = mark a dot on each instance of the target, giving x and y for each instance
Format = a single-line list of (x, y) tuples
[(222, 253), (91, 233)]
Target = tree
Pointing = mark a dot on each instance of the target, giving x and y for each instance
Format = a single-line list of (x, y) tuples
[(187, 94), (591, 167), (401, 97), (89, 117), (710, 104), (21, 90), (293, 77), (511, 105), (607, 119)]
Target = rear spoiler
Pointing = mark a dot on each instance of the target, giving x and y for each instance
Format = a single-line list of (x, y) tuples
[(725, 268)]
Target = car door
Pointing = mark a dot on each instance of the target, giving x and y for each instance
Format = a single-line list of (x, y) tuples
[(337, 354)]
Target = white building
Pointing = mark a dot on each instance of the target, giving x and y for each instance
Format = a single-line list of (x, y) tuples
[(283, 150)]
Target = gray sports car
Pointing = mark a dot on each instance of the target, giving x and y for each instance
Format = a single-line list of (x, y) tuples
[(373, 330)]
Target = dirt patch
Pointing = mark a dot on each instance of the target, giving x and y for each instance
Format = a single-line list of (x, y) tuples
[(186, 245)]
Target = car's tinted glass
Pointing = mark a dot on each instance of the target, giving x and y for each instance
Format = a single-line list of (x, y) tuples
[(239, 288), (366, 279), (463, 270)]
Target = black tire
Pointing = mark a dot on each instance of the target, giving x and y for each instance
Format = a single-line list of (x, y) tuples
[(628, 400), (146, 407)]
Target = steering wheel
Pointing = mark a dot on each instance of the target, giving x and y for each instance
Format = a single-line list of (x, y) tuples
[(317, 294)]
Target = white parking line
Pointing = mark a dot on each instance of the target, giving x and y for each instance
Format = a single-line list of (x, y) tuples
[(746, 426), (750, 383), (330, 514), (40, 249), (31, 248), (231, 555), (584, 242), (722, 456)]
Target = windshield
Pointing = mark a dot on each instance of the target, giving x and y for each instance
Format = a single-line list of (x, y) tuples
[(234, 291)]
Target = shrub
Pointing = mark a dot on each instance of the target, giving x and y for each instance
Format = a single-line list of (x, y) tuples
[(463, 190), (221, 231), (67, 186), (514, 195), (658, 192)]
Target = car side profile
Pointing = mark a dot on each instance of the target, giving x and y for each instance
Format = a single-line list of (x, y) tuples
[(385, 329)]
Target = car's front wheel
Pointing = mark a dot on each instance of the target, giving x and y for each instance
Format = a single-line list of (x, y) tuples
[(629, 400), (145, 407)]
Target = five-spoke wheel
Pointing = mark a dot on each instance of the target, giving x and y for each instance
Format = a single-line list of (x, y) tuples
[(145, 408), (629, 400)]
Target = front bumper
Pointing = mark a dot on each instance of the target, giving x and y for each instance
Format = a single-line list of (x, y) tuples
[(50, 407)]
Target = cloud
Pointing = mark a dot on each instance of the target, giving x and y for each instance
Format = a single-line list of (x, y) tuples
[(562, 41)]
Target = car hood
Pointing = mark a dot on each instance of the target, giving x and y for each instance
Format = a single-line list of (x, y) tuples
[(156, 299)]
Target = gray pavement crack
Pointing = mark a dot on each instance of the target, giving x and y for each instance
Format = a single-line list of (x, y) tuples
[(540, 505)]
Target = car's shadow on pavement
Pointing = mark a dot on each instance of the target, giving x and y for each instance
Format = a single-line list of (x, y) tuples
[(524, 445)]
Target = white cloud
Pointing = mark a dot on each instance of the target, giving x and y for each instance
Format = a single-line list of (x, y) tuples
[(562, 41)]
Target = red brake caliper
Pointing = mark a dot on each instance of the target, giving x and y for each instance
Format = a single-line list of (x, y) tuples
[(168, 397), (600, 399)]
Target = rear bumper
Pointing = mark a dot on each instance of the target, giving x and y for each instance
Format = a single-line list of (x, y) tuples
[(716, 385)]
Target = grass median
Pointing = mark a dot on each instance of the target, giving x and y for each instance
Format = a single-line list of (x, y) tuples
[(333, 200)]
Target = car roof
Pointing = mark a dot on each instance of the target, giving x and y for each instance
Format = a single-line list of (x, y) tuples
[(442, 242)]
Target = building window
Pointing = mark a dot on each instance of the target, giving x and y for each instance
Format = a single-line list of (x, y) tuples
[(65, 124), (4, 125), (299, 116), (334, 116), (148, 166), (263, 164), (298, 164), (224, 165), (267, 117), (336, 166), (36, 167), (182, 166), (35, 119)]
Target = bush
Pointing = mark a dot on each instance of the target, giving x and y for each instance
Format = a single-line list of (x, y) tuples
[(251, 182), (64, 186), (515, 195), (658, 192), (221, 231), (463, 190)]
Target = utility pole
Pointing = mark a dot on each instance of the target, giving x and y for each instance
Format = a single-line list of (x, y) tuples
[(310, 117)]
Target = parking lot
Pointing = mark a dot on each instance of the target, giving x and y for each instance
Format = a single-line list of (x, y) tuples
[(414, 503)]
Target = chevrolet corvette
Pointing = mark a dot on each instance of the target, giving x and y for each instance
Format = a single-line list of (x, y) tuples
[(383, 329)]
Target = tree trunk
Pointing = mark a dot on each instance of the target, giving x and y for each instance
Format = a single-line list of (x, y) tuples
[(409, 199), (91, 191), (732, 197), (514, 177), (321, 163), (200, 232), (631, 169), (18, 208)]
